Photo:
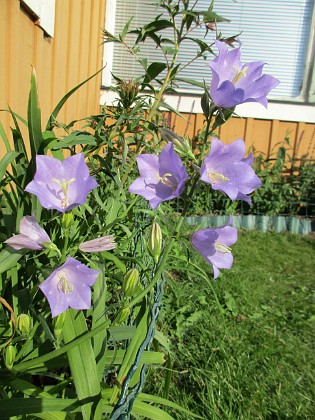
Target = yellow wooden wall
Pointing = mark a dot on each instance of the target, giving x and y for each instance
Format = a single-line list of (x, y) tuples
[(261, 135), (75, 53), (61, 62)]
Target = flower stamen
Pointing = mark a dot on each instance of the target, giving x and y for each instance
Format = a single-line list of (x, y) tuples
[(165, 179), (239, 73), (64, 187), (64, 285), (223, 249), (216, 177)]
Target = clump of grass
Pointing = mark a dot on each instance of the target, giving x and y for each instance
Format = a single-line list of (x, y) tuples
[(242, 347)]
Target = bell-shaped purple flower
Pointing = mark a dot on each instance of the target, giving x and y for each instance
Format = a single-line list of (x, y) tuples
[(234, 83), (162, 177), (105, 243), (61, 185), (69, 287), (214, 245), (31, 235), (226, 169)]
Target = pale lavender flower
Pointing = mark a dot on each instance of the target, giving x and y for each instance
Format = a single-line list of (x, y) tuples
[(226, 169), (214, 245), (31, 235), (234, 83), (69, 286), (162, 177), (61, 185), (105, 243)]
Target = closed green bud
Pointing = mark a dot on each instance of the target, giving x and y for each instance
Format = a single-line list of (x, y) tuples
[(130, 282), (24, 324), (181, 145), (155, 242), (67, 219), (9, 356), (122, 316)]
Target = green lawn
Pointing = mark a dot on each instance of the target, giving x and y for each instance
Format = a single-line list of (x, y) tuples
[(243, 346)]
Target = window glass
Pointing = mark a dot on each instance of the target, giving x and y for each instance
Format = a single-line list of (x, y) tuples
[(274, 31)]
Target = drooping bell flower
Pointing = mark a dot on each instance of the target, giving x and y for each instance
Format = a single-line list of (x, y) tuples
[(31, 236), (162, 177), (234, 83), (69, 286), (226, 169), (61, 185), (105, 243), (214, 245)]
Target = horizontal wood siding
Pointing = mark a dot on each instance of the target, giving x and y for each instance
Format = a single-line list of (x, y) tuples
[(61, 62), (263, 136)]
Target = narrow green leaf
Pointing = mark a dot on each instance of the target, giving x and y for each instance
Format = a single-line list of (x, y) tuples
[(8, 158), (39, 361), (72, 140), (111, 257), (190, 82), (150, 411), (34, 118), (83, 365), (126, 29), (4, 138), (9, 257), (131, 352), (148, 357), (125, 332), (153, 71), (159, 400), (23, 406), (53, 116)]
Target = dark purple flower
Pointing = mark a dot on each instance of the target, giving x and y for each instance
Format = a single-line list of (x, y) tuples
[(31, 235), (61, 185), (69, 287), (105, 243), (214, 245), (234, 83), (226, 169), (162, 177)]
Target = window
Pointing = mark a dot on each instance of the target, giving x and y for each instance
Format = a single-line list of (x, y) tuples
[(279, 32), (44, 10)]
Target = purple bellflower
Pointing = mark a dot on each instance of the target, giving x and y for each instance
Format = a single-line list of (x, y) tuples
[(234, 83), (61, 185), (162, 177), (226, 169), (214, 245), (31, 235), (105, 243), (69, 286)]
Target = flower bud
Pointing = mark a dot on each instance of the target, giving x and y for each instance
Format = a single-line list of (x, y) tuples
[(122, 316), (24, 324), (67, 219), (9, 356), (130, 282), (155, 242), (181, 145)]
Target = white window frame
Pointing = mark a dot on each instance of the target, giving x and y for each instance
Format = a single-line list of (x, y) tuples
[(44, 11), (287, 109)]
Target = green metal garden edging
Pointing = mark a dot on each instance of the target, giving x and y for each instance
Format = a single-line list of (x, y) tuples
[(263, 223)]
